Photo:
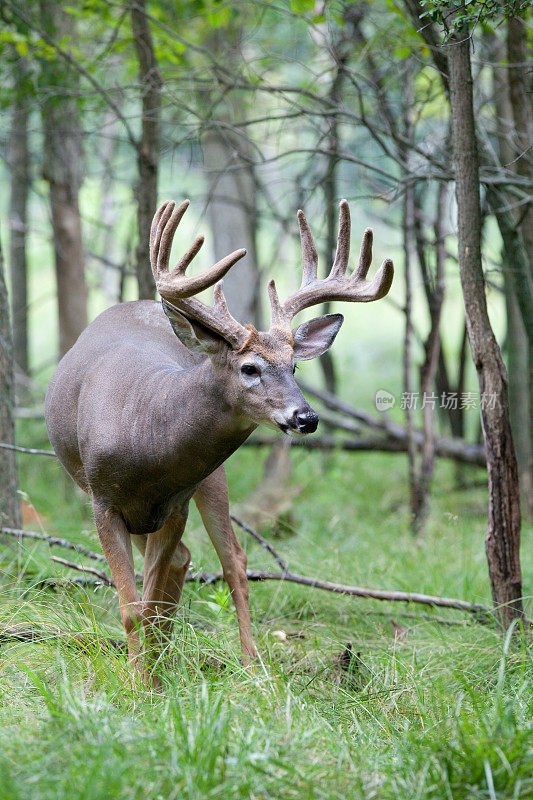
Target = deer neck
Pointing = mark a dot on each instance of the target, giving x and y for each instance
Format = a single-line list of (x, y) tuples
[(203, 414)]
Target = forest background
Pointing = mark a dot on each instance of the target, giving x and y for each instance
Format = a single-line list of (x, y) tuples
[(253, 110)]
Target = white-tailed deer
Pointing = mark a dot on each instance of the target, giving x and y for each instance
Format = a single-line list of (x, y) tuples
[(152, 399)]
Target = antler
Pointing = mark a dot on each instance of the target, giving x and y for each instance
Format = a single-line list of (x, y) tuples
[(177, 289), (337, 286)]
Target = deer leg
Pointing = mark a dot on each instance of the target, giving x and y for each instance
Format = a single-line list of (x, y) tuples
[(176, 578), (116, 544), (211, 498), (165, 564)]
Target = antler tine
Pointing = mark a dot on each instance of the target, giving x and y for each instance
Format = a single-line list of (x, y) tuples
[(159, 222), (278, 317), (153, 229), (365, 256), (309, 253), (379, 286), (221, 306), (342, 254), (187, 257), (163, 243)]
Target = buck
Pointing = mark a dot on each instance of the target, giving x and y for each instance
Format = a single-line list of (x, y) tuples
[(154, 397)]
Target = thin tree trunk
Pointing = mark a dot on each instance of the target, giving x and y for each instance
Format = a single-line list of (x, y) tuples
[(517, 281), (521, 104), (329, 184), (408, 238), (232, 213), (10, 515), (61, 168), (519, 409), (148, 149), (109, 210), (428, 371), (503, 531), (19, 165)]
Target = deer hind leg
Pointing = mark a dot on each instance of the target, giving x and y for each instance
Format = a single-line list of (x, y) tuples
[(176, 578), (166, 560), (211, 498), (116, 544)]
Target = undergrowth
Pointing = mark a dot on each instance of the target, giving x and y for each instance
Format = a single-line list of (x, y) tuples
[(351, 699)]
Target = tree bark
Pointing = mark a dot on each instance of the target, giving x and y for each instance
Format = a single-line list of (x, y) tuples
[(232, 213), (62, 159), (503, 531), (521, 104), (428, 371), (19, 165), (10, 515), (148, 149)]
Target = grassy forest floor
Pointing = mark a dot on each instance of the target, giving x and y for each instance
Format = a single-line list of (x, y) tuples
[(434, 705)]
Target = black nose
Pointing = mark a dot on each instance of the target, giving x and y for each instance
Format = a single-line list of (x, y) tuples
[(306, 421)]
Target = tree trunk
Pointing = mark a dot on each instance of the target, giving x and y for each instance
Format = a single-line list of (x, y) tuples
[(62, 158), (519, 408), (503, 531), (10, 515), (19, 165), (428, 371), (329, 182), (109, 275), (519, 349), (148, 150), (233, 219), (520, 97)]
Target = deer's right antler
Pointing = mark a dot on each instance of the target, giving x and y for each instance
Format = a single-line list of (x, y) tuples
[(178, 290)]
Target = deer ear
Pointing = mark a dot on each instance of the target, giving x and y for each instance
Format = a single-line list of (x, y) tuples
[(196, 337), (313, 338)]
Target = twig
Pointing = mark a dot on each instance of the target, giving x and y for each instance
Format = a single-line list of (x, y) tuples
[(34, 633), (34, 451), (262, 541), (53, 541), (82, 568)]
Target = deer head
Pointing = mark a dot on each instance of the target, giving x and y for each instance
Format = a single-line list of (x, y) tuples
[(256, 368)]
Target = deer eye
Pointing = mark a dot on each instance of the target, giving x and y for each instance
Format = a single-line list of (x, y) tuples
[(249, 369)]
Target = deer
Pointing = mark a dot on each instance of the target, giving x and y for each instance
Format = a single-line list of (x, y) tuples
[(154, 397)]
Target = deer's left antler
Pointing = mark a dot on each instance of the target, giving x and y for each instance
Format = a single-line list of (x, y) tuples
[(353, 288)]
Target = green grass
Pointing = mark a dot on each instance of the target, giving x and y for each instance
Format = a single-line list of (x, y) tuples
[(442, 711)]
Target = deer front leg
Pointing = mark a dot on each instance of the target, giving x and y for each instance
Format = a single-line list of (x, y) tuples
[(211, 498), (116, 544)]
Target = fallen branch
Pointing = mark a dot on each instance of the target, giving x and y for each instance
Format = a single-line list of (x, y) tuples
[(32, 450), (260, 575), (454, 449), (102, 576), (53, 541), (446, 447), (35, 633), (262, 541), (477, 609)]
